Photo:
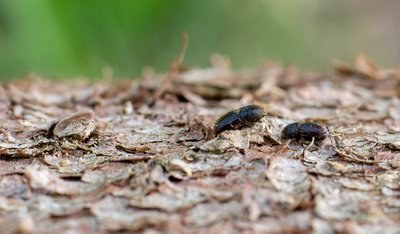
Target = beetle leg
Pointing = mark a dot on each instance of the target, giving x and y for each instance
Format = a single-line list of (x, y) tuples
[(311, 144), (283, 146)]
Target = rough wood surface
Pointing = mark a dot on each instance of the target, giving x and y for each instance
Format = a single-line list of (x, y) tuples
[(97, 157)]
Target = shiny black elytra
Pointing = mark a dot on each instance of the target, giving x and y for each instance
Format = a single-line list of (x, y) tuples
[(239, 118), (304, 131)]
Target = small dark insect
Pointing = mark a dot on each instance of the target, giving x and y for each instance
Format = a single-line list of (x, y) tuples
[(239, 118), (304, 131)]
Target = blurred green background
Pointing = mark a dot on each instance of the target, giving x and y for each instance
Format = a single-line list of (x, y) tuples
[(67, 38)]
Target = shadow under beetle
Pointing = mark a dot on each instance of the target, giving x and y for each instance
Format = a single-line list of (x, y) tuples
[(236, 119), (304, 131)]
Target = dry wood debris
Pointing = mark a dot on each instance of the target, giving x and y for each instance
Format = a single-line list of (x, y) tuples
[(92, 158)]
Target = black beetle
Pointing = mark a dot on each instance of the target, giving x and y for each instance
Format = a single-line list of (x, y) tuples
[(304, 131), (239, 118)]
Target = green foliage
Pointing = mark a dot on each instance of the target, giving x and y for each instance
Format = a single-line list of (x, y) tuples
[(68, 38)]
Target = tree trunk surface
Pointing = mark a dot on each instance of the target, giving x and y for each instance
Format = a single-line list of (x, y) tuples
[(142, 155)]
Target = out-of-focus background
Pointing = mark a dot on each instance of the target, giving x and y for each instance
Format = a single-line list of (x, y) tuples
[(66, 38)]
